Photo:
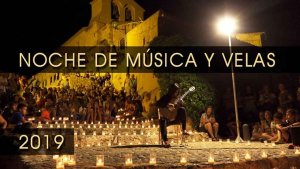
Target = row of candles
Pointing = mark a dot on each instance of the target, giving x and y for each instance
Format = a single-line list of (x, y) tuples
[(64, 125), (70, 160), (172, 142)]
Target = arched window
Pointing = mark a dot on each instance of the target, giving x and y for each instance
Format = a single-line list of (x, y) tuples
[(115, 14), (128, 14)]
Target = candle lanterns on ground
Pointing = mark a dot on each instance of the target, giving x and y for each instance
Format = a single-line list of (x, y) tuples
[(128, 159), (99, 160)]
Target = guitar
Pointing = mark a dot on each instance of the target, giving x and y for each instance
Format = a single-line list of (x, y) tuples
[(170, 111)]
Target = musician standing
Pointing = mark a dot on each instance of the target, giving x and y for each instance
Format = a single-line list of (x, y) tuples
[(177, 114)]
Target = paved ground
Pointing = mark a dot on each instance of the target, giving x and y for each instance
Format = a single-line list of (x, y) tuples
[(196, 153)]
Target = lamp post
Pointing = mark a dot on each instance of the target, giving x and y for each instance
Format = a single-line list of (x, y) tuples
[(227, 26)]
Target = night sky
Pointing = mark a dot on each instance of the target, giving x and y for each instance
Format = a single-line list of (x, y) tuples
[(49, 23)]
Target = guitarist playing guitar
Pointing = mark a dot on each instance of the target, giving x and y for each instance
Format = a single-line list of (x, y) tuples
[(171, 111)]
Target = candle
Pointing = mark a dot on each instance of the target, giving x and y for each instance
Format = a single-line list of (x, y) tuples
[(80, 126), (47, 122), (58, 126), (94, 133), (130, 143), (88, 145), (77, 122), (51, 125), (142, 133), (282, 153), (83, 133), (89, 126), (76, 145), (72, 122), (99, 160), (236, 158), (109, 144), (194, 140), (72, 160), (266, 143), (273, 144), (84, 122), (228, 140), (119, 134), (125, 126), (59, 118), (126, 134), (64, 122), (264, 154), (99, 144), (220, 140), (98, 122), (248, 156), (211, 159), (128, 159), (94, 126), (55, 157), (210, 140), (53, 118), (60, 163), (103, 133), (248, 143), (297, 152), (65, 126), (72, 126), (183, 159), (203, 140), (92, 123), (65, 159), (134, 133)]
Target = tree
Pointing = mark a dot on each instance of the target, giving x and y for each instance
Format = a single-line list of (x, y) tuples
[(194, 102)]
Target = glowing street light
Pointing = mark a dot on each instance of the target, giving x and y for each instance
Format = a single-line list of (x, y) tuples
[(227, 26)]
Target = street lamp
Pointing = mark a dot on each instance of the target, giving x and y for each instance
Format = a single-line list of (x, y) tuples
[(227, 26)]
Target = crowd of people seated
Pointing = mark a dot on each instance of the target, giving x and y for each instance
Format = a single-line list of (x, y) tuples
[(98, 102), (269, 114)]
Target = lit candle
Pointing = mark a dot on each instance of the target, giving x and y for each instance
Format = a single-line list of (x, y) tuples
[(72, 122), (65, 159), (120, 143), (72, 126), (89, 126), (134, 133), (220, 140), (80, 126), (211, 159), (264, 154), (76, 145), (53, 118), (183, 159), (64, 122), (248, 143), (203, 140), (273, 144), (58, 126), (126, 134), (103, 133), (65, 126), (194, 140), (119, 134), (51, 125), (248, 156), (154, 125), (55, 157), (88, 145), (84, 122), (297, 152), (99, 144), (60, 163), (228, 140), (266, 143), (98, 122), (59, 118), (142, 133), (128, 159), (236, 158), (210, 140), (83, 133), (72, 160), (77, 122), (92, 123), (130, 143), (94, 126), (125, 126), (109, 144), (282, 153), (100, 160), (94, 133), (47, 122)]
